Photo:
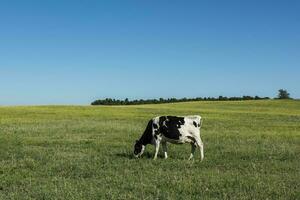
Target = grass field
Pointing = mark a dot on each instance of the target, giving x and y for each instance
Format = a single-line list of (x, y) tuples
[(252, 151)]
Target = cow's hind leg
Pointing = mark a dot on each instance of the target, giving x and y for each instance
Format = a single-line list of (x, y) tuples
[(200, 145), (193, 148)]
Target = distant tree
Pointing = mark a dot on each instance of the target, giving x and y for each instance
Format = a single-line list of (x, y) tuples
[(283, 94), (126, 101)]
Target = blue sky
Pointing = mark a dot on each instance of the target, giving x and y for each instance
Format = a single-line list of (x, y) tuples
[(73, 52)]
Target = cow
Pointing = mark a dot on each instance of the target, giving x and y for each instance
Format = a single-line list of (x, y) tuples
[(172, 129)]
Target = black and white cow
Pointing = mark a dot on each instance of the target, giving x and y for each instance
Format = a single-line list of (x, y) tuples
[(177, 130)]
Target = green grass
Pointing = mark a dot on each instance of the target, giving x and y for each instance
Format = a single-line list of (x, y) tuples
[(252, 151)]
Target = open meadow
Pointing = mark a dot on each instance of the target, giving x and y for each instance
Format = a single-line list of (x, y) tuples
[(252, 151)]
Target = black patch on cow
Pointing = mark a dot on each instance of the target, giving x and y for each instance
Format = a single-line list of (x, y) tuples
[(147, 135), (137, 147), (195, 124), (161, 120), (191, 138), (145, 139), (155, 126), (169, 125)]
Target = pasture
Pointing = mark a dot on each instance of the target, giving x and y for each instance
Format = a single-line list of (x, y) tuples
[(252, 151)]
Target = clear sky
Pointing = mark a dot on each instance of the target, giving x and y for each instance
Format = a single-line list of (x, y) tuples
[(73, 52)]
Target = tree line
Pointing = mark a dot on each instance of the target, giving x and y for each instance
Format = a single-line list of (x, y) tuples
[(110, 101), (282, 94)]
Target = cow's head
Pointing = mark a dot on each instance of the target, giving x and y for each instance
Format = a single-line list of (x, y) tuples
[(138, 149)]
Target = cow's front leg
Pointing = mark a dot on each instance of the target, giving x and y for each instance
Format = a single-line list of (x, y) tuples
[(157, 143), (164, 147), (193, 148)]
